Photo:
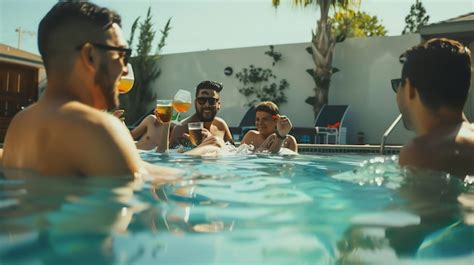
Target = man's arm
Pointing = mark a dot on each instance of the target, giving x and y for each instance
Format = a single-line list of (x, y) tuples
[(272, 144), (227, 134), (176, 134), (249, 137), (291, 143)]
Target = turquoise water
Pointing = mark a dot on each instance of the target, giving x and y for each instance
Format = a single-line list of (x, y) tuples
[(245, 209)]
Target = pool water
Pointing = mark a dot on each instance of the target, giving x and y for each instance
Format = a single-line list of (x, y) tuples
[(242, 209)]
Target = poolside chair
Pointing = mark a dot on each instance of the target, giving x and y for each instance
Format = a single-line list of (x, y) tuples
[(248, 122), (328, 123)]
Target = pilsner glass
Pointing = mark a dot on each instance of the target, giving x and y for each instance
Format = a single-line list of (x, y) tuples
[(126, 81), (195, 132), (164, 109)]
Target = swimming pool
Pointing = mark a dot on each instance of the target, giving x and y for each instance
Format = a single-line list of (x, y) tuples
[(253, 209)]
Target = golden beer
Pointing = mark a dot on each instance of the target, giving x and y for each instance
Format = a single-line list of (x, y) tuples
[(164, 110), (195, 136), (195, 132), (125, 85), (181, 106)]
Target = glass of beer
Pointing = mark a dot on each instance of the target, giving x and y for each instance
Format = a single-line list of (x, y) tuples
[(195, 132), (181, 102), (164, 109), (126, 81)]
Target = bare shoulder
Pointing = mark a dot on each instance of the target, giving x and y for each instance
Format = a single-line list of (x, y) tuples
[(291, 138), (419, 153), (71, 139), (97, 126), (250, 136), (219, 122)]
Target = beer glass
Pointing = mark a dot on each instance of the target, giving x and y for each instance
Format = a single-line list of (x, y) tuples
[(195, 132), (181, 102), (126, 81), (164, 109)]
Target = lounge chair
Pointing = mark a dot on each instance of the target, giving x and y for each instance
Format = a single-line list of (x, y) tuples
[(328, 123), (246, 124)]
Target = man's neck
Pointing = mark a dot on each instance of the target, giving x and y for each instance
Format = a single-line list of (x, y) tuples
[(443, 118)]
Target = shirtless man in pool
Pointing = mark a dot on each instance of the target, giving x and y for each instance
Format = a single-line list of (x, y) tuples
[(66, 133), (434, 87)]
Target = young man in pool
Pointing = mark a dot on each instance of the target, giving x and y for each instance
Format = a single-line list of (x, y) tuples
[(66, 133), (207, 104), (272, 130), (434, 87)]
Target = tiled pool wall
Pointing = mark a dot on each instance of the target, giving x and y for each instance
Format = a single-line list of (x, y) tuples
[(346, 149)]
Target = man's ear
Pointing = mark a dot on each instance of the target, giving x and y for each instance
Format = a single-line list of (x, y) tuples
[(88, 56), (411, 90)]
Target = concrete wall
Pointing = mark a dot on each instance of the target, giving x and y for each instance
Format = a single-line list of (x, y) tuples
[(366, 64), (186, 70)]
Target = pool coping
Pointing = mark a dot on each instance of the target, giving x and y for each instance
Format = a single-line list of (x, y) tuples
[(357, 149)]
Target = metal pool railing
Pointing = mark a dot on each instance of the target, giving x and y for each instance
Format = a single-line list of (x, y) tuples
[(387, 133)]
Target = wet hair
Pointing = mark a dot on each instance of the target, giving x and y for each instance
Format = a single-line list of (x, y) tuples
[(440, 70), (209, 85), (268, 107), (64, 14)]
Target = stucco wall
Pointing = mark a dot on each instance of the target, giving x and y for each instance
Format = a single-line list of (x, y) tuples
[(366, 64)]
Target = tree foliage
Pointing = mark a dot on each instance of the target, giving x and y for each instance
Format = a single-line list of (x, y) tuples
[(323, 42), (351, 23), (145, 68), (416, 18)]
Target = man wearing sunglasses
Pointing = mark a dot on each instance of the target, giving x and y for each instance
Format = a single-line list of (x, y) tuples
[(431, 95), (207, 104), (67, 132)]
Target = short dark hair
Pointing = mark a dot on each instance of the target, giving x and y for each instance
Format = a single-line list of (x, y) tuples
[(209, 85), (268, 107), (65, 12), (440, 70)]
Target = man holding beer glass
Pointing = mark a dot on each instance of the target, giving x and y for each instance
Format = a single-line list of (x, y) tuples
[(203, 126)]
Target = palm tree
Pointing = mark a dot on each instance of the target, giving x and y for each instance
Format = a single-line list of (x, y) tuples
[(322, 47)]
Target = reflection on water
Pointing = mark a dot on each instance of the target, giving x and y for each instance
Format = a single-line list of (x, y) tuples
[(242, 209)]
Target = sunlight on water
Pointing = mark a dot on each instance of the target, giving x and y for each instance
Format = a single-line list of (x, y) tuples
[(236, 207)]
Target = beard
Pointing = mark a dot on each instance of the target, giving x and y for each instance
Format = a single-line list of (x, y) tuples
[(107, 87), (208, 117)]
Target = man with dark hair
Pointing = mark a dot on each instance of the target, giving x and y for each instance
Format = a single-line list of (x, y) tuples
[(67, 132), (433, 90), (207, 104)]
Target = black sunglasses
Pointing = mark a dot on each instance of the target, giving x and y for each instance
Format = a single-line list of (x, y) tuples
[(127, 52), (210, 101), (396, 84)]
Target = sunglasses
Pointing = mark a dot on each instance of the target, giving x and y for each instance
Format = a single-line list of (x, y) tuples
[(396, 84), (127, 52), (210, 101)]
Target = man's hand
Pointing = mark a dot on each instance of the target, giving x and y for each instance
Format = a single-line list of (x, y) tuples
[(283, 125)]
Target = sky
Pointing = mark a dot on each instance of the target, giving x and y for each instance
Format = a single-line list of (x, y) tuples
[(220, 24)]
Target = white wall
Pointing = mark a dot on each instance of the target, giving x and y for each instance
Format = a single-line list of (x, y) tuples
[(366, 64), (186, 70)]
